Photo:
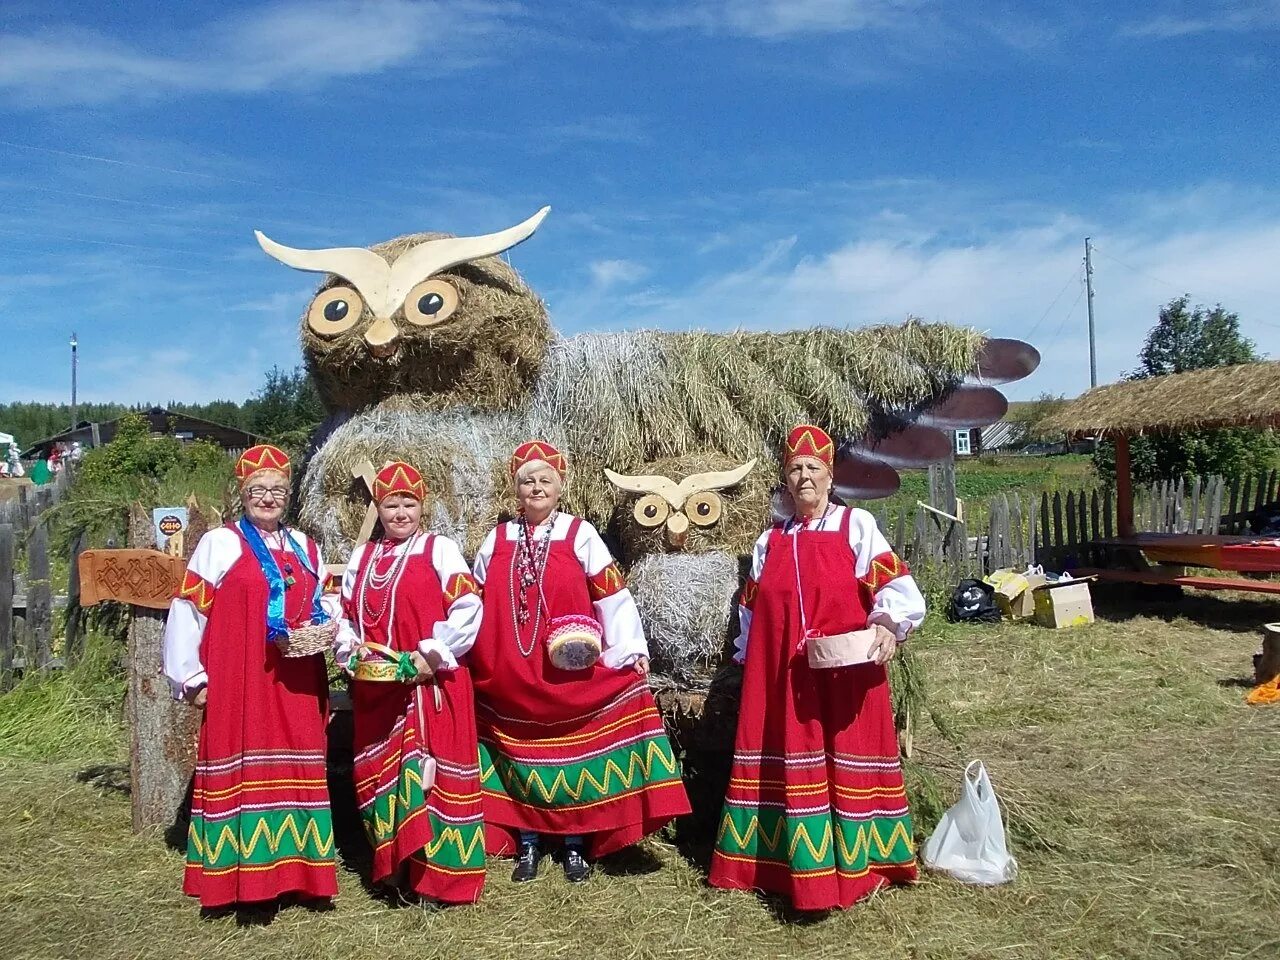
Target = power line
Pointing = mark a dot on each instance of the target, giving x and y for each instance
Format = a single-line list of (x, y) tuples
[(1063, 322), (1075, 275)]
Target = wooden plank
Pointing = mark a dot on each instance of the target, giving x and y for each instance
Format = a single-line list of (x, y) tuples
[(1095, 522), (7, 540), (1179, 508), (1193, 516), (39, 613), (1021, 556), (919, 541), (1107, 529), (900, 534), (1233, 504), (1246, 498), (1260, 494), (1057, 529), (1082, 525), (75, 614), (1155, 576), (1071, 518), (1043, 550), (1214, 518)]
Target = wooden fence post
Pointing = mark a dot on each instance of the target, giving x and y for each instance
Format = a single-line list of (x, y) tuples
[(75, 616), (39, 602), (6, 601), (163, 732)]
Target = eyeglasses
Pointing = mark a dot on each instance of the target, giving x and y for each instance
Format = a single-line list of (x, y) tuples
[(261, 493)]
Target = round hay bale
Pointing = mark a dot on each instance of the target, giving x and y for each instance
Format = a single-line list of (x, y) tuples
[(688, 605)]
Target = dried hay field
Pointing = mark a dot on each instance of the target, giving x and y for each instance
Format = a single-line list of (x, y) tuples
[(1143, 799)]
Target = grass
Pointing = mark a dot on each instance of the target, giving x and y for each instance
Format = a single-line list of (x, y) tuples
[(1142, 798)]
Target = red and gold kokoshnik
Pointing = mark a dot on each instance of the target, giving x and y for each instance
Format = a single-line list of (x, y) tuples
[(262, 457), (535, 450), (399, 477), (810, 441)]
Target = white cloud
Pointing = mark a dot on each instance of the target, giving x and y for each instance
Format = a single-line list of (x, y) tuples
[(1148, 250), (291, 44), (610, 273), (772, 19), (1229, 17)]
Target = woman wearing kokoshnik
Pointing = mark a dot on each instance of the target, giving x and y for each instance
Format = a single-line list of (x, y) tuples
[(816, 809), (260, 822), (410, 611), (571, 743)]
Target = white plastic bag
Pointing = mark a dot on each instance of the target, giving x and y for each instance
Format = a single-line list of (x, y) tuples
[(969, 841)]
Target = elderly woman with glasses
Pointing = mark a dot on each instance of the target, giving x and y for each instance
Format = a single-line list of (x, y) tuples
[(260, 820), (569, 748), (816, 810)]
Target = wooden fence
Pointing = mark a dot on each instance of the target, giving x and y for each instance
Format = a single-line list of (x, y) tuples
[(27, 603), (1057, 529)]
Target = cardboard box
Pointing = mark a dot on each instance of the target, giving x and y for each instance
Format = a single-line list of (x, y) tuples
[(1014, 592), (1064, 604)]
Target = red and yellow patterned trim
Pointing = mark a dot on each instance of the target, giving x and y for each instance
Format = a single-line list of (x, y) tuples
[(262, 457), (458, 586), (535, 450), (606, 583), (399, 477), (884, 568), (197, 590), (750, 591), (807, 440)]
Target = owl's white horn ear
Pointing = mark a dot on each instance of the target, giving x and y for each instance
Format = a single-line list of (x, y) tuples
[(432, 256), (662, 486), (362, 268), (716, 480)]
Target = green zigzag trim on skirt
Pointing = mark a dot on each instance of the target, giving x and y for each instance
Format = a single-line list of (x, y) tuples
[(260, 838), (649, 761), (456, 846), (392, 804), (805, 842)]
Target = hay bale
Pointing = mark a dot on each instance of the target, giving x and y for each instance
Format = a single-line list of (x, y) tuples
[(688, 607), (487, 355)]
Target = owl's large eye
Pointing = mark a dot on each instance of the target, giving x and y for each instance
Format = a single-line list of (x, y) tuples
[(431, 302), (334, 311), (703, 509), (651, 511)]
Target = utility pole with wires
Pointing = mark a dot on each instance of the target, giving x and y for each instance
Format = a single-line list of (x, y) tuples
[(1088, 285), (74, 343)]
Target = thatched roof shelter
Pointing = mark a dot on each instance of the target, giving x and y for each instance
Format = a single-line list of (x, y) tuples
[(1246, 395)]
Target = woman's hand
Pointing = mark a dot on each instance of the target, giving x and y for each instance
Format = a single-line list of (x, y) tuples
[(201, 697), (885, 646), (641, 666), (425, 670)]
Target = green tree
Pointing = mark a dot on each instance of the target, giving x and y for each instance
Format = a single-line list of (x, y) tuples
[(1034, 413), (286, 410), (1186, 338)]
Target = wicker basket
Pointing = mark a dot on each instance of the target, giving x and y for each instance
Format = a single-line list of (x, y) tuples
[(308, 639)]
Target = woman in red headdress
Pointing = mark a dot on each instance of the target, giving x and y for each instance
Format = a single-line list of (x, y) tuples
[(409, 599), (260, 822), (575, 753), (816, 810)]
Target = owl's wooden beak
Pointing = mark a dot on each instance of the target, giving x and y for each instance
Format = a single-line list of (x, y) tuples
[(677, 530), (382, 337)]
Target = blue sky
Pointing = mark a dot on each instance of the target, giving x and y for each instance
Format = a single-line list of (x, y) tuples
[(711, 163)]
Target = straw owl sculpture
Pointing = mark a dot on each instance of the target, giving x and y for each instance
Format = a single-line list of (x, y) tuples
[(431, 348)]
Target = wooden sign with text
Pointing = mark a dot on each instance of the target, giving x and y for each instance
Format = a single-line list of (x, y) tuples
[(144, 578)]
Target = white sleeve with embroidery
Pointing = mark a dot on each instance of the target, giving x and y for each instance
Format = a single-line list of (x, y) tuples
[(456, 633), (744, 613), (348, 638), (898, 604), (484, 556), (184, 627), (624, 640)]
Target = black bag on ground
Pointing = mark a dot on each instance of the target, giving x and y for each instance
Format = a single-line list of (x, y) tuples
[(973, 601)]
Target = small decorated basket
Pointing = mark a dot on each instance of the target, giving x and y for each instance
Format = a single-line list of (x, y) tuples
[(307, 639), (380, 664), (574, 642)]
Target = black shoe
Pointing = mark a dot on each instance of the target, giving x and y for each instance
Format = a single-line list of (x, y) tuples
[(576, 868), (527, 863)]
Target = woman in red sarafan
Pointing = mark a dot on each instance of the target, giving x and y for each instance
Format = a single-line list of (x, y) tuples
[(579, 754), (816, 810), (409, 597), (260, 821)]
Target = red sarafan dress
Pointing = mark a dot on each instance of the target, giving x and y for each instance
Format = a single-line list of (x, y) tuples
[(816, 810), (567, 752), (260, 820), (417, 595)]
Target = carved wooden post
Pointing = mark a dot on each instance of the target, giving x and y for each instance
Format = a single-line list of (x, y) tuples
[(163, 732)]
